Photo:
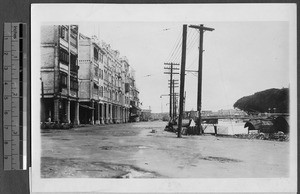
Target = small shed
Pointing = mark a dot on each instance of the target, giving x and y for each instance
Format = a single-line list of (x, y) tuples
[(265, 126), (281, 123)]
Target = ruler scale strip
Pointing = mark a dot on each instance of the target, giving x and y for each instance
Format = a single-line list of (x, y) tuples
[(14, 96)]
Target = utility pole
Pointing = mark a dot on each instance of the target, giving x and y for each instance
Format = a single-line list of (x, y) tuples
[(201, 29), (174, 98), (173, 84), (171, 72), (184, 101), (174, 101), (182, 79)]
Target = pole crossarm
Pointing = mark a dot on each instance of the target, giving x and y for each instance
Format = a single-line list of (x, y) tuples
[(171, 63), (176, 94), (170, 68), (201, 27)]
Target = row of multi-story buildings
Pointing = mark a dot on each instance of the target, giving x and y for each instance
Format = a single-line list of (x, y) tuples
[(83, 80)]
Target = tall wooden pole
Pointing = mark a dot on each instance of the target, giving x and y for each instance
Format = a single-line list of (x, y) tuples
[(174, 101), (182, 79), (172, 69), (184, 101), (171, 104), (201, 29), (175, 112), (199, 103)]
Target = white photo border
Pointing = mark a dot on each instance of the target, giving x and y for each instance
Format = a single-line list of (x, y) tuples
[(75, 13)]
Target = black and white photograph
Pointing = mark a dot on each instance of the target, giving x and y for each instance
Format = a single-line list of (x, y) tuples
[(163, 97)]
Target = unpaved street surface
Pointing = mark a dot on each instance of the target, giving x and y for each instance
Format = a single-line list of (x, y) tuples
[(145, 150)]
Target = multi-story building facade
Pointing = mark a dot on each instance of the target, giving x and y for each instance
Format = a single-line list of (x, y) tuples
[(84, 81), (131, 104), (113, 84), (103, 78), (59, 74), (135, 111), (90, 78)]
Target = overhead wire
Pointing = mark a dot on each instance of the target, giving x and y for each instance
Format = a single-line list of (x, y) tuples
[(192, 39), (174, 48), (178, 55), (190, 44), (193, 42), (175, 54), (176, 51)]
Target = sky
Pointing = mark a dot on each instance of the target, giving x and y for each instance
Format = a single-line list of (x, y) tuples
[(239, 58)]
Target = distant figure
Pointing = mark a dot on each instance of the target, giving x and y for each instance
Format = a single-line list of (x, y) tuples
[(216, 130)]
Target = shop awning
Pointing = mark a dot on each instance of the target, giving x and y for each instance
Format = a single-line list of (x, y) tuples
[(85, 106)]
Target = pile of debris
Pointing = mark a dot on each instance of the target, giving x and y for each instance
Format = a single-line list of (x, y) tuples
[(279, 136), (170, 126), (188, 127)]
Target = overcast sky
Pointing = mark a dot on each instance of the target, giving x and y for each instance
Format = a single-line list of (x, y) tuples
[(240, 58)]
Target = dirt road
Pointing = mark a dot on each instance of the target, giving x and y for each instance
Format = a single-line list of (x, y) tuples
[(145, 150)]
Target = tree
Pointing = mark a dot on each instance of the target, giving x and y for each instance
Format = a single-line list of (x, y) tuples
[(275, 100)]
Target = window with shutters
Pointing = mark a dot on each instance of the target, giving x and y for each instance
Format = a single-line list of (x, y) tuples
[(63, 80), (73, 84), (96, 88), (73, 63), (96, 71), (64, 33), (73, 39), (101, 57), (63, 56), (96, 54)]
